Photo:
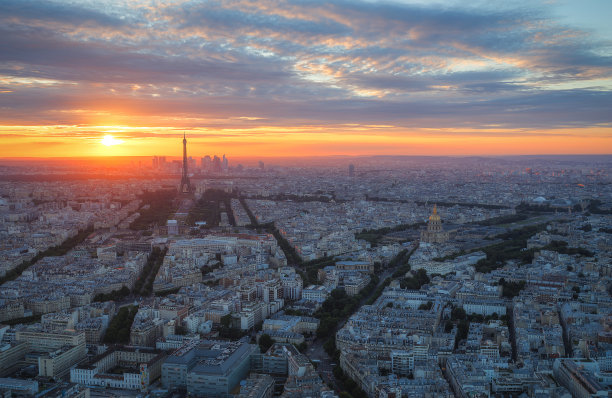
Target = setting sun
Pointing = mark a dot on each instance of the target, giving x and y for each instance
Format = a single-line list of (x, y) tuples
[(109, 140), (363, 77)]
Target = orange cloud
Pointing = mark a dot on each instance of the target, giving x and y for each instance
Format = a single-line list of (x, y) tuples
[(70, 141)]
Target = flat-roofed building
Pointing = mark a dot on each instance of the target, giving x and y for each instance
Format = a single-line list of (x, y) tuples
[(353, 284), (55, 350), (361, 266), (145, 332), (208, 368), (315, 293), (11, 356), (141, 367), (281, 361), (257, 386), (45, 341), (18, 387), (57, 363), (46, 304), (11, 310), (577, 376), (485, 307), (94, 329)]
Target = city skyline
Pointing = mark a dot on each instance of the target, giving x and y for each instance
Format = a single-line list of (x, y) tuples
[(439, 277), (292, 79)]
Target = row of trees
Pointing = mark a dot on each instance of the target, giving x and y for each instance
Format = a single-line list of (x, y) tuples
[(25, 319), (58, 250), (168, 292), (118, 331), (339, 306), (514, 247), (265, 342), (249, 213), (595, 209), (374, 236), (511, 289), (351, 388), (290, 253), (311, 269), (308, 270), (450, 256), (206, 269), (503, 219), (295, 198), (400, 261), (115, 295), (414, 282), (562, 247), (160, 206), (209, 208), (444, 204), (144, 283), (459, 318), (378, 291), (544, 208)]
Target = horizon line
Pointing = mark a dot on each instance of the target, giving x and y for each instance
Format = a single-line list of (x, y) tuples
[(306, 156)]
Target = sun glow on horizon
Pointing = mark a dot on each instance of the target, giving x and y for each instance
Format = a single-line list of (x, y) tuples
[(284, 78), (109, 140), (297, 141)]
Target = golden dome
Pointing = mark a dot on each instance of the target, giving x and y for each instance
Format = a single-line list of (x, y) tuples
[(435, 216)]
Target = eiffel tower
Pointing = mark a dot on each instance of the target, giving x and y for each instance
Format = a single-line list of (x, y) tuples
[(185, 187)]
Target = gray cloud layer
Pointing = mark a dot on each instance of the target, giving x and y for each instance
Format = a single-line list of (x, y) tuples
[(302, 62)]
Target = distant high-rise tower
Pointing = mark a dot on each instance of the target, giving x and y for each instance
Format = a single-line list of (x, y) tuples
[(185, 183), (351, 170), (216, 164), (206, 163)]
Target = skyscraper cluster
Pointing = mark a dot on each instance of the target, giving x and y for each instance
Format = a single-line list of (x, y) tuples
[(206, 164), (215, 164)]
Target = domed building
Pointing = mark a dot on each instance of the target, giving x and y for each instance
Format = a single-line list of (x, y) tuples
[(435, 232)]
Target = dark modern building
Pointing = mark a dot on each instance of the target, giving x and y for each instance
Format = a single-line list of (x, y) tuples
[(209, 368)]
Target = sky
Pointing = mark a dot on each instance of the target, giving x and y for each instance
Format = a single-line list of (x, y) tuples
[(305, 77)]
